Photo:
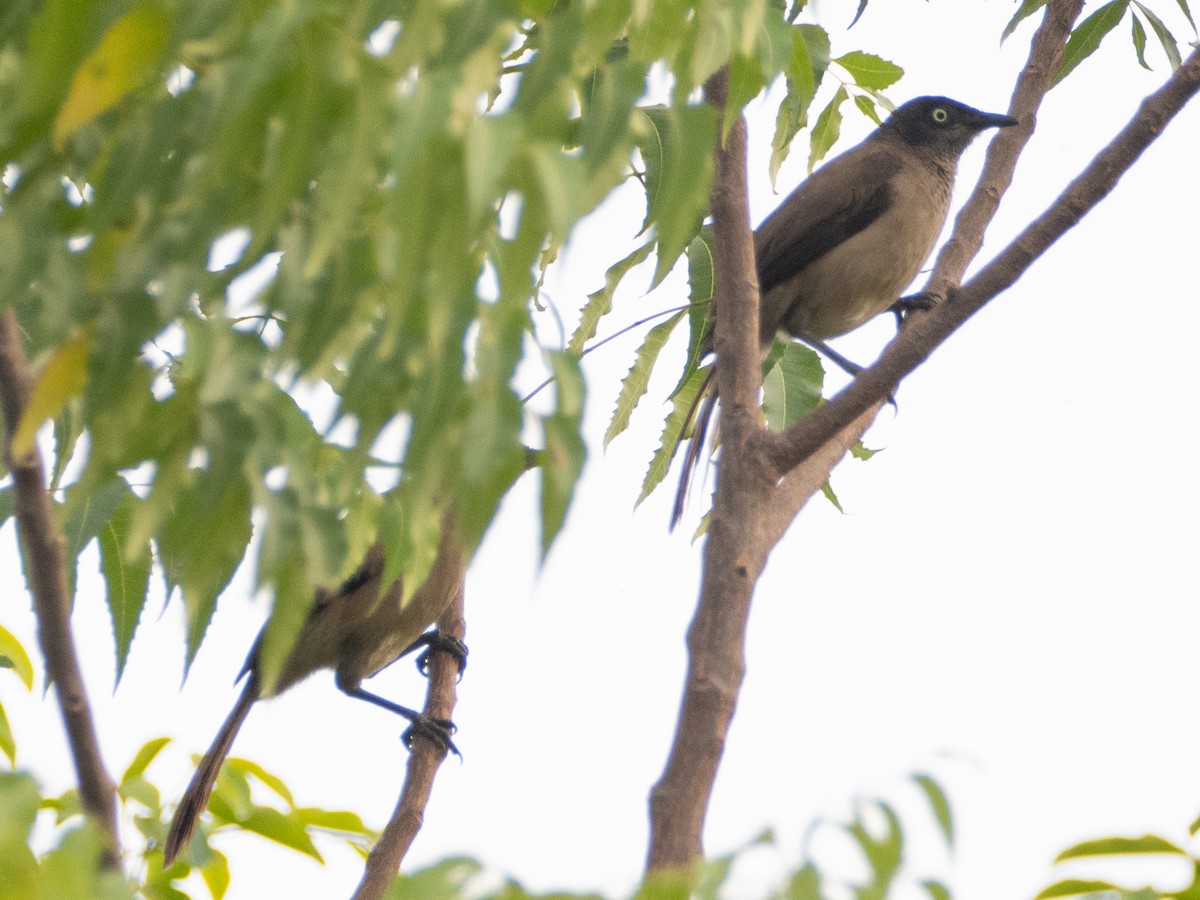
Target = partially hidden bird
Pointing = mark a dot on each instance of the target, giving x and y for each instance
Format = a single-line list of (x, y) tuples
[(845, 243), (356, 629)]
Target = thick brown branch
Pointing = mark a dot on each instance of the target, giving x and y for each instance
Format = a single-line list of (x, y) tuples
[(44, 559), (423, 763), (734, 554)]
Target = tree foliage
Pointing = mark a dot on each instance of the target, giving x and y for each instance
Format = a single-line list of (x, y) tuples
[(276, 264)]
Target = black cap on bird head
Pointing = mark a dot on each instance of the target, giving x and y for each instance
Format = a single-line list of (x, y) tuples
[(942, 124)]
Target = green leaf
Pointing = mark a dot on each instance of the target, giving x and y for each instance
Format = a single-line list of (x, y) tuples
[(564, 454), (215, 873), (681, 404), (677, 147), (1183, 6), (1026, 9), (939, 803), (1073, 887), (286, 830), (126, 572), (143, 758), (702, 288), (936, 890), (829, 494), (8, 744), (219, 509), (792, 386), (636, 381), (1087, 37), (1139, 41), (599, 303), (870, 71), (333, 820), (13, 656), (1119, 846), (1169, 44), (274, 782), (829, 126)]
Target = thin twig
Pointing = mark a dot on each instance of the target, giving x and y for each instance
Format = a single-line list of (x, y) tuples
[(44, 560), (424, 760)]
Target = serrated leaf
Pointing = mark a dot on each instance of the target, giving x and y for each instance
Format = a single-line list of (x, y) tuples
[(599, 303), (939, 803), (1120, 846), (142, 759), (1139, 41), (827, 130), (1024, 11), (1169, 44), (828, 493), (792, 386), (636, 381), (63, 377), (126, 58), (565, 453), (1073, 887), (870, 71), (676, 421), (126, 572), (14, 657), (1086, 37), (1183, 6)]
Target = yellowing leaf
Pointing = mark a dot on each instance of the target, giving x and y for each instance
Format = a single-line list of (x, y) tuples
[(13, 656), (122, 61), (62, 378)]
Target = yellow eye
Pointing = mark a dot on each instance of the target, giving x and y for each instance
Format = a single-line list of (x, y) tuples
[(940, 115)]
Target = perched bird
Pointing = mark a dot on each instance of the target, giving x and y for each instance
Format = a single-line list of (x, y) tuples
[(356, 630), (844, 244)]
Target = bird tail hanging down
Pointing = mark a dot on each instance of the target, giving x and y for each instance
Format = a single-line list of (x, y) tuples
[(701, 413), (195, 798)]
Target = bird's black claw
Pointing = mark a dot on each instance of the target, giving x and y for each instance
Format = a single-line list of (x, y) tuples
[(438, 731), (905, 305), (435, 642)]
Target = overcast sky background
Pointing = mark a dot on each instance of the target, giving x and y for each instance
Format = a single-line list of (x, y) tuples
[(1008, 602)]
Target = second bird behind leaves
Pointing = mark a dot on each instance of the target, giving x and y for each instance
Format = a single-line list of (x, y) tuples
[(845, 243)]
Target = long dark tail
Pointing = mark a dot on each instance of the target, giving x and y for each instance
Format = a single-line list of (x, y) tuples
[(702, 411), (195, 798)]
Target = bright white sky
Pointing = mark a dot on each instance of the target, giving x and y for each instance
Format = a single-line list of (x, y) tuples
[(1008, 602)]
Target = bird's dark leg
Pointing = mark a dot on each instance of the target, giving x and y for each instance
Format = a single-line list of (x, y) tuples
[(905, 305), (850, 368), (437, 730), (842, 363), (434, 641)]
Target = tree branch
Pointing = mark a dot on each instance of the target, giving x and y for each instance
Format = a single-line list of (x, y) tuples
[(423, 762), (44, 561), (733, 552)]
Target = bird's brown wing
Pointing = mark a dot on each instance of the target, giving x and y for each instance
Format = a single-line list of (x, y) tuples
[(837, 202)]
